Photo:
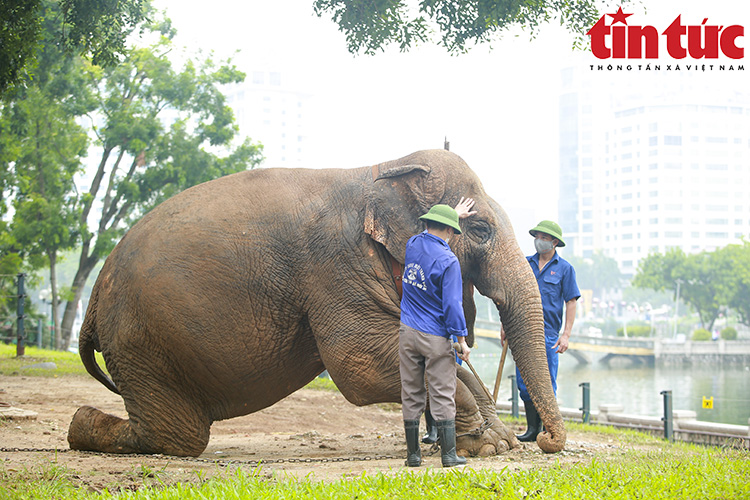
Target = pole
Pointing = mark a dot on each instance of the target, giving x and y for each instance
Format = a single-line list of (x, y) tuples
[(513, 396), (496, 389), (668, 422), (20, 348), (586, 407), (676, 307)]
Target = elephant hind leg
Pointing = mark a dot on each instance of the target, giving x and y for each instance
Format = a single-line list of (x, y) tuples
[(94, 430)]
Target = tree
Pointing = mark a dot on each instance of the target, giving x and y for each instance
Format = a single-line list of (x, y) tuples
[(371, 25), (45, 146), (92, 27), (703, 279), (736, 292), (45, 209), (159, 131)]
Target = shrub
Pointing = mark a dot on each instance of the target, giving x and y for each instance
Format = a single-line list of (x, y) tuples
[(636, 331), (729, 333), (701, 334)]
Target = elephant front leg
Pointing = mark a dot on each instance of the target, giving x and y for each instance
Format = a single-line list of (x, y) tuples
[(479, 432)]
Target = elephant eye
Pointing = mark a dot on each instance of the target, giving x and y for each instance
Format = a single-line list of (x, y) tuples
[(479, 231)]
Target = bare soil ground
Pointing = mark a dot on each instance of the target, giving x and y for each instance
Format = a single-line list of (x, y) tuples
[(308, 425)]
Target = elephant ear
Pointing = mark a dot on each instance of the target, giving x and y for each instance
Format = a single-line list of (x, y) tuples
[(402, 191)]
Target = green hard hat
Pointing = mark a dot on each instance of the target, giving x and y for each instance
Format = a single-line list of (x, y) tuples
[(551, 228), (443, 214)]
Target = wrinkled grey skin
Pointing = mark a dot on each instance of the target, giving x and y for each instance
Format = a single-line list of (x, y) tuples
[(237, 292)]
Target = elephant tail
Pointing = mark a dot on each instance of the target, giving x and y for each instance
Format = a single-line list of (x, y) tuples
[(88, 343)]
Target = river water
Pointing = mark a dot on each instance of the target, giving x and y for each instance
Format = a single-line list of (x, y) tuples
[(636, 387)]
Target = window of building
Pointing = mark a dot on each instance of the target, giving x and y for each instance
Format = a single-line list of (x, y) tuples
[(717, 222), (275, 79), (717, 235), (673, 234), (653, 141), (716, 140), (627, 196), (674, 220), (627, 236), (654, 234), (672, 140)]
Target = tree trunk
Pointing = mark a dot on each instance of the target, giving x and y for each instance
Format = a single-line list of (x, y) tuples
[(85, 266), (52, 255)]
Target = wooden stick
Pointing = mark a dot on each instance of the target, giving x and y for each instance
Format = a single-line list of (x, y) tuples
[(457, 347), (500, 372)]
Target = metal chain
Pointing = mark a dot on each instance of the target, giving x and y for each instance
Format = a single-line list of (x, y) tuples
[(216, 461), (478, 431)]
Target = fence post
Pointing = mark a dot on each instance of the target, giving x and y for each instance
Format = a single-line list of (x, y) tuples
[(20, 348), (513, 396), (586, 408), (668, 421), (39, 330)]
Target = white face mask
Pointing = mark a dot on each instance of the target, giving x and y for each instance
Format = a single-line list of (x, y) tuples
[(543, 246)]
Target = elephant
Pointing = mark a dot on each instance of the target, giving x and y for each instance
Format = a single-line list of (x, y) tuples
[(235, 293)]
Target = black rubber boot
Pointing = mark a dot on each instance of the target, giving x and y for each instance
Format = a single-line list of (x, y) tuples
[(431, 437), (447, 437), (533, 423), (413, 453)]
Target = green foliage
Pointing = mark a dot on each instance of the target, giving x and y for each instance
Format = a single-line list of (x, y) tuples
[(635, 330), (159, 130), (701, 335), (371, 26), (95, 27), (728, 333), (67, 363), (736, 289), (708, 281)]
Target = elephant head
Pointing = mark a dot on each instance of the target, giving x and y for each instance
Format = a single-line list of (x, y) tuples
[(490, 257)]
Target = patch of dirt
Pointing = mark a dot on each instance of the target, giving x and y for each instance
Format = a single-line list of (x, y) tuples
[(308, 424)]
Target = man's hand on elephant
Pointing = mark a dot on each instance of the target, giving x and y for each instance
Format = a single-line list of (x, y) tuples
[(464, 208)]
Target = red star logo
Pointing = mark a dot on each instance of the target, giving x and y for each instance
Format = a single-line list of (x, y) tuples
[(619, 17)]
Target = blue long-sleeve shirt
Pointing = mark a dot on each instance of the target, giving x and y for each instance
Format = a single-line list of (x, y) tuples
[(557, 284), (432, 299)]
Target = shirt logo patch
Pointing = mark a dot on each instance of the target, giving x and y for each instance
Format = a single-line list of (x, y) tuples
[(552, 272), (414, 276)]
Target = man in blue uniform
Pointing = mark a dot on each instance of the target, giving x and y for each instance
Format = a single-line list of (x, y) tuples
[(557, 284), (432, 311)]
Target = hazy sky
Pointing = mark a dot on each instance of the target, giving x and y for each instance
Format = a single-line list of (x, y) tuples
[(497, 107)]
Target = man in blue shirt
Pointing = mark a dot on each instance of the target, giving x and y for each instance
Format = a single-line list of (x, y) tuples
[(432, 311), (557, 284)]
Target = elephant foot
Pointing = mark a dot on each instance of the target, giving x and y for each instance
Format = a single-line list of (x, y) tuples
[(492, 441), (93, 430)]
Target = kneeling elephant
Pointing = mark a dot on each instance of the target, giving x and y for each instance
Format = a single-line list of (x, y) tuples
[(237, 292)]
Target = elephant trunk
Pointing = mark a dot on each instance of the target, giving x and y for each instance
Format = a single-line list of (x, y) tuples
[(523, 322)]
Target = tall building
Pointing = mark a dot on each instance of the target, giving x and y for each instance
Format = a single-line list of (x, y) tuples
[(270, 111), (652, 161)]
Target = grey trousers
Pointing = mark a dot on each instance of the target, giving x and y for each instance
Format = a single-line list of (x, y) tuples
[(420, 355)]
